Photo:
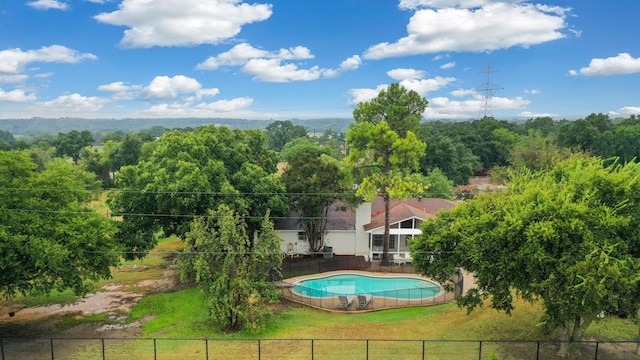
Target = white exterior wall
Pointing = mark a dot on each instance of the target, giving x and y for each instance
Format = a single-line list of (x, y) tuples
[(291, 236), (363, 217), (342, 241)]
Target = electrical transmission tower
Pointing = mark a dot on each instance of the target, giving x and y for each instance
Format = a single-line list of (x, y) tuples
[(487, 89)]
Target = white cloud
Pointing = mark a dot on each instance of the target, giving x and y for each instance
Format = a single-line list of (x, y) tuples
[(242, 53), (624, 63), (532, 91), (448, 65), (74, 103), (48, 4), (626, 111), (463, 92), (444, 108), (411, 82), (13, 79), (496, 25), (424, 86), (349, 64), (121, 91), (233, 107), (13, 61), (532, 115), (415, 4), (16, 96), (272, 70), (404, 74), (182, 22), (271, 66), (164, 87), (363, 94)]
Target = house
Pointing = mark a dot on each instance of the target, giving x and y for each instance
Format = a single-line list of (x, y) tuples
[(360, 231)]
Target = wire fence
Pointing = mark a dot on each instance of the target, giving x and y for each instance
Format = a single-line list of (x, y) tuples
[(344, 349)]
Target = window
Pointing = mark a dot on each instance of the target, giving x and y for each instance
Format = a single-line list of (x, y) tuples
[(392, 241), (407, 224), (301, 236), (377, 240)]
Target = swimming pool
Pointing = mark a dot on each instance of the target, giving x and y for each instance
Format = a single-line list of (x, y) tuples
[(352, 284)]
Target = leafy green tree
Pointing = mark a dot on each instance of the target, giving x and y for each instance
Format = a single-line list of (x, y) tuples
[(49, 239), (437, 185), (452, 157), (536, 152), (306, 145), (566, 238), (236, 278), (314, 182), (384, 149), (70, 144), (279, 133), (184, 174), (125, 152)]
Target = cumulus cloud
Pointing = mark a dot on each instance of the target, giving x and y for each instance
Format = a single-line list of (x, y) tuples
[(74, 103), (242, 53), (494, 25), (411, 79), (164, 87), (233, 107), (16, 95), (182, 22), (624, 63), (532, 115), (463, 92), (445, 108), (121, 91), (415, 4), (48, 4), (532, 91), (626, 111), (448, 65), (13, 79), (275, 66), (13, 61), (404, 74)]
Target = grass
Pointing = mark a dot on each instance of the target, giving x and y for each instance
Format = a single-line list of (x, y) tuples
[(127, 275)]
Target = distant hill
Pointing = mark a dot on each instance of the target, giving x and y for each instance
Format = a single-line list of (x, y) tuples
[(36, 126)]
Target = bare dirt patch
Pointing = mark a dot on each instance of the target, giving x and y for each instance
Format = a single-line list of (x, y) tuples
[(43, 321)]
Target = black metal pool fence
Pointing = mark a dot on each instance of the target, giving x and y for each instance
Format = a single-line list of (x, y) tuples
[(377, 300), (344, 349)]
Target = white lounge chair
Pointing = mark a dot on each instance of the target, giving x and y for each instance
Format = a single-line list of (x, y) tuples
[(399, 259), (345, 301), (364, 300)]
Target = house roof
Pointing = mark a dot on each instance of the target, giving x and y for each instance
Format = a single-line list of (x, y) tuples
[(341, 217), (399, 210)]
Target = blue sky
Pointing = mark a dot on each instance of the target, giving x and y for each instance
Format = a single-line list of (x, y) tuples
[(286, 59)]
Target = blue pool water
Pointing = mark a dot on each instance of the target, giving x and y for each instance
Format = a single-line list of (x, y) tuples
[(353, 284)]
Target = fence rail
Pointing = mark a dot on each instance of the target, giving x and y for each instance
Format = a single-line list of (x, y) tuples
[(157, 348)]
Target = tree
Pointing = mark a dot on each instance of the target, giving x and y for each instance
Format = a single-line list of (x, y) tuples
[(236, 278), (314, 182), (49, 239), (280, 133), (565, 237), (384, 148), (185, 174), (70, 144), (452, 157)]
